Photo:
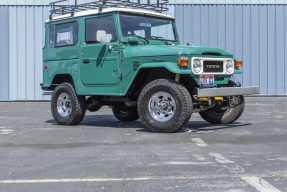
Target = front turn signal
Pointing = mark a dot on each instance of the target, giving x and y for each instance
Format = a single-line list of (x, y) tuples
[(183, 61), (238, 63)]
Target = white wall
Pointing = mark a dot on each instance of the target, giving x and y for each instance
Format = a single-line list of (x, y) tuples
[(255, 33)]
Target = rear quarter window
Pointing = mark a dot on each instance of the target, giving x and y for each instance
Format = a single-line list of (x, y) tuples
[(67, 34), (51, 42)]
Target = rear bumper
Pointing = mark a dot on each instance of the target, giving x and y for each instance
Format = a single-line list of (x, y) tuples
[(226, 91)]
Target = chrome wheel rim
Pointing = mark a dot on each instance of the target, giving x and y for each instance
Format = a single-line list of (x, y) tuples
[(162, 106), (64, 105)]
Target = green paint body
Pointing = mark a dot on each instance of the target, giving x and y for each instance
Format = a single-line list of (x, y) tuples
[(104, 74)]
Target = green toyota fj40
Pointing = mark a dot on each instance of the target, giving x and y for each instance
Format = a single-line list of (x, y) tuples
[(128, 56)]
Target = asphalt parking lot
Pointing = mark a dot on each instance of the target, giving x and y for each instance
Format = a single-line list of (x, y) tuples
[(104, 154)]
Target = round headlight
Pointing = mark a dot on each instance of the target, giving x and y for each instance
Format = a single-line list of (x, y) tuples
[(229, 66), (196, 66)]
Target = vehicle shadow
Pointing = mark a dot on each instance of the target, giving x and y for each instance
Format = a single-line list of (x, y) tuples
[(106, 121), (202, 126), (109, 121)]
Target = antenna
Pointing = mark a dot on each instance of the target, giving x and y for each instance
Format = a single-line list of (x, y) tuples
[(101, 4)]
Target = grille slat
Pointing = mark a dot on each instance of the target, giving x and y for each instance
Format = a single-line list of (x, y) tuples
[(212, 66)]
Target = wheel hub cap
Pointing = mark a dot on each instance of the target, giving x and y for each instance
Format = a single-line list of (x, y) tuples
[(162, 106), (64, 105)]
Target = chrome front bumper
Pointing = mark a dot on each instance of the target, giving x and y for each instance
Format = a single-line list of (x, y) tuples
[(226, 91)]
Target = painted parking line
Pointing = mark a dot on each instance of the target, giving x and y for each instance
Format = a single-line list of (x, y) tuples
[(180, 163), (219, 158), (260, 184), (74, 180), (198, 142), (6, 131)]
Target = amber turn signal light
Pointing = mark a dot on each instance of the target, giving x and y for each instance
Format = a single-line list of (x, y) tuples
[(238, 63), (178, 61), (183, 61)]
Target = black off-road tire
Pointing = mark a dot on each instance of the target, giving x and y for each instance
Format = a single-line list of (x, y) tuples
[(78, 104), (227, 116), (130, 114), (183, 106)]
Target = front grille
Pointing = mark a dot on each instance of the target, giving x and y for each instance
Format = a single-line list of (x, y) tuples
[(212, 66)]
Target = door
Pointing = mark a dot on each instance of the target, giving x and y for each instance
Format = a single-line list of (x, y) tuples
[(100, 65)]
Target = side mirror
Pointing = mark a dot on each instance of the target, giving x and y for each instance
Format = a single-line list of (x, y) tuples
[(101, 36)]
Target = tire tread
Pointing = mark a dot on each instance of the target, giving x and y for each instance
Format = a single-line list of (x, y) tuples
[(80, 105), (185, 100), (226, 118)]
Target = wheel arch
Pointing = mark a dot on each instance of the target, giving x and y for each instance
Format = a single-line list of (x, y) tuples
[(61, 78), (152, 71), (58, 79)]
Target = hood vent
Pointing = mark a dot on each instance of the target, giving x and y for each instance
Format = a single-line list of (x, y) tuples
[(212, 53)]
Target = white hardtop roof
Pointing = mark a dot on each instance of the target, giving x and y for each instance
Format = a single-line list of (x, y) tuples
[(108, 10)]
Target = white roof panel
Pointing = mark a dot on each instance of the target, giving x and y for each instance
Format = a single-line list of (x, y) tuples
[(107, 10)]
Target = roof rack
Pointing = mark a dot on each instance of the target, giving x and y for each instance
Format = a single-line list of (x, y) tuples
[(100, 4)]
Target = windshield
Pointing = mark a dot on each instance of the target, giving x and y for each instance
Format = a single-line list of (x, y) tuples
[(147, 27)]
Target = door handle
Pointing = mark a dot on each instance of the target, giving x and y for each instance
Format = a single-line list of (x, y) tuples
[(86, 60)]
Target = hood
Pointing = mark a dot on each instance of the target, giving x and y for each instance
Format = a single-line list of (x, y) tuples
[(160, 50)]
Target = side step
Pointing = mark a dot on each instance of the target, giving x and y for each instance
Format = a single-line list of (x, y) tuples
[(47, 93)]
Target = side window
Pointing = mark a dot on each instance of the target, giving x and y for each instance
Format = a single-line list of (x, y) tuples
[(100, 23), (52, 36), (67, 34)]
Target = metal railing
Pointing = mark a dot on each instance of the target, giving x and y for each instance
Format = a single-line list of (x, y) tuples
[(57, 8)]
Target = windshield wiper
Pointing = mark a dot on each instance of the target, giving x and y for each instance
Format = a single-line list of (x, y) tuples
[(158, 37), (161, 38)]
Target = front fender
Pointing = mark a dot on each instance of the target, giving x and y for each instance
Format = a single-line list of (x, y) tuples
[(172, 67)]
